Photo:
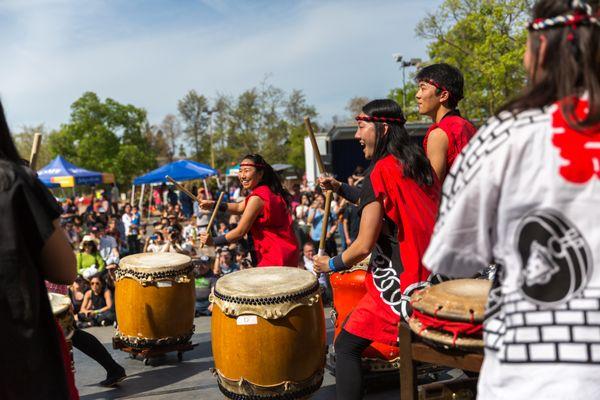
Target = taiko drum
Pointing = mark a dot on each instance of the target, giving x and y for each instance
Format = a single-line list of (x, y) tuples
[(348, 288), (268, 333), (154, 299)]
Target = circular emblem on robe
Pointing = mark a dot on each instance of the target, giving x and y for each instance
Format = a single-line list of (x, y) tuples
[(555, 258)]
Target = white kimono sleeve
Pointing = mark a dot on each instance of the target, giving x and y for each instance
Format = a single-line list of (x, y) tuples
[(464, 232)]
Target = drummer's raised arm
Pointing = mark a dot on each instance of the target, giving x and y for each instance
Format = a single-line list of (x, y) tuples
[(350, 193), (234, 208), (252, 210)]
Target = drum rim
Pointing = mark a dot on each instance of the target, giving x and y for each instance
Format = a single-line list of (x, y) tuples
[(131, 262), (240, 295), (60, 308), (431, 301)]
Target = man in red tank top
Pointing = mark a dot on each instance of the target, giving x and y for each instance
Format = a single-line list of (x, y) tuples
[(440, 90)]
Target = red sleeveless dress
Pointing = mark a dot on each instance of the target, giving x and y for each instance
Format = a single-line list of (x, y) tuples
[(274, 241)]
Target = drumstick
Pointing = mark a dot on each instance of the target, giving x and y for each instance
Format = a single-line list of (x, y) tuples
[(212, 217), (328, 196), (313, 142), (35, 148), (181, 188), (328, 193)]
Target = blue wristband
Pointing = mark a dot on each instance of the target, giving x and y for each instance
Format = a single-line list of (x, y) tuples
[(220, 240), (338, 263), (332, 265)]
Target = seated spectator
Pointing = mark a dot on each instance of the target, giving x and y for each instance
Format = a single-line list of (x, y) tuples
[(155, 243), (226, 263), (306, 262), (178, 212), (174, 221), (108, 247), (205, 282), (223, 229), (77, 292), (177, 244), (89, 260), (69, 208), (190, 232), (97, 306), (72, 234), (242, 258), (90, 220)]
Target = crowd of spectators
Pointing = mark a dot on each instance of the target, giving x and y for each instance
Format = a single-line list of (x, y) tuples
[(102, 229)]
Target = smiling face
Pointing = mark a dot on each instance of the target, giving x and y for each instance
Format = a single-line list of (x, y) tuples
[(249, 176), (367, 136)]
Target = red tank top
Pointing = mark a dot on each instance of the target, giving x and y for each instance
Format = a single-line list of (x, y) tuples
[(459, 132), (274, 240)]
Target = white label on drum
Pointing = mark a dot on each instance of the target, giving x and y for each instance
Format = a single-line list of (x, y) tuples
[(164, 284), (247, 320)]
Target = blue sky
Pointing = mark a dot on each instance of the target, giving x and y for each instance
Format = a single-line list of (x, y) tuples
[(150, 53)]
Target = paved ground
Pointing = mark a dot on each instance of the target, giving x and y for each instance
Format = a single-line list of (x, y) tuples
[(170, 379)]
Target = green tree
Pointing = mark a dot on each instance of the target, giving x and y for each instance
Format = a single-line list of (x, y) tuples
[(171, 132), (355, 105), (242, 136), (485, 39), (105, 136), (24, 142), (194, 111), (296, 108), (411, 113)]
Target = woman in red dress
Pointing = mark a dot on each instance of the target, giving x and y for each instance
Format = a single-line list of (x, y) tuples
[(265, 215), (397, 204)]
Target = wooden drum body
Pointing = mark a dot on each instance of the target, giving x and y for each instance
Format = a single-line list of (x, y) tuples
[(348, 288), (155, 299), (268, 333)]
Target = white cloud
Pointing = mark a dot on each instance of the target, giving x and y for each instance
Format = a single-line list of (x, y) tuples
[(331, 50)]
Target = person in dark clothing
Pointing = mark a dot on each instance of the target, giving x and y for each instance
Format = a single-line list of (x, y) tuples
[(97, 307), (33, 247), (90, 346)]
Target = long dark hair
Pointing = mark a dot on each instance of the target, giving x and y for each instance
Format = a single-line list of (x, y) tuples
[(396, 142), (571, 65), (8, 151), (270, 177)]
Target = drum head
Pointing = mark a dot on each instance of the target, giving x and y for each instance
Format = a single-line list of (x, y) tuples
[(59, 303), (263, 282), (457, 300), (445, 339), (155, 262)]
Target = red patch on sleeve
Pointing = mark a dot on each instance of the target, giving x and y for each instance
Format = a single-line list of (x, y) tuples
[(579, 150)]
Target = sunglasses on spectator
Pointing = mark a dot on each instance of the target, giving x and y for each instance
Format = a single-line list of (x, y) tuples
[(94, 283)]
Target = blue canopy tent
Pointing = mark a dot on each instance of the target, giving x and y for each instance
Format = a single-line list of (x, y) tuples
[(62, 173), (182, 170)]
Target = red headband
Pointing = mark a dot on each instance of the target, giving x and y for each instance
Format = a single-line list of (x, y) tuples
[(379, 119), (436, 84), (252, 165)]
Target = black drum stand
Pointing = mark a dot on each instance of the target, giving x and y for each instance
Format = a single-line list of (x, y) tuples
[(150, 352)]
